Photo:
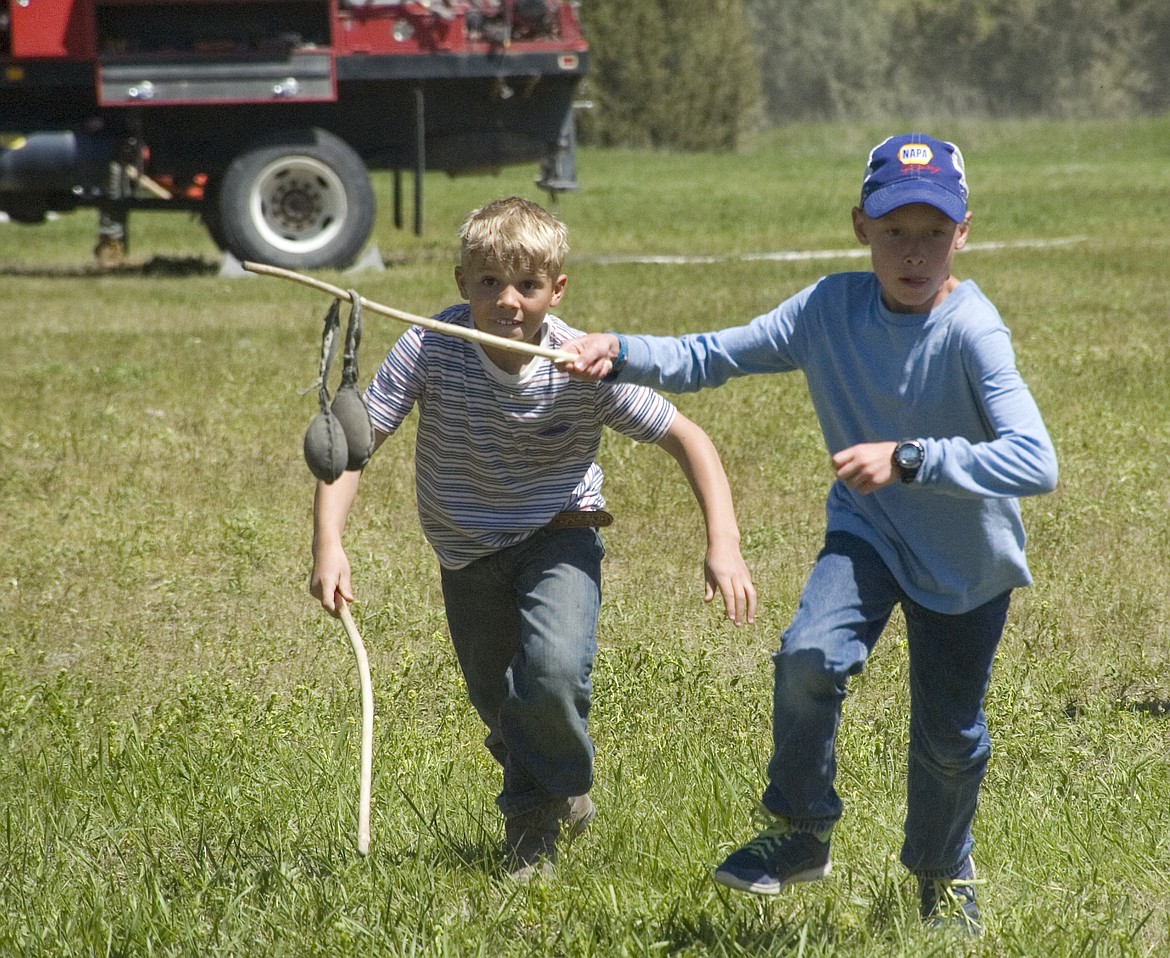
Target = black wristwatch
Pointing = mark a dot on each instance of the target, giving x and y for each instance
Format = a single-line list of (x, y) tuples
[(908, 457)]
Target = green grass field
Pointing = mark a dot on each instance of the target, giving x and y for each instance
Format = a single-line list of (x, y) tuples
[(179, 721)]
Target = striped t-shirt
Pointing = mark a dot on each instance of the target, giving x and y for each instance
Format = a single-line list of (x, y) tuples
[(498, 455)]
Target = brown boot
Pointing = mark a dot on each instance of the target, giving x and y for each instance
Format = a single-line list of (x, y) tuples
[(581, 812), (532, 836), (110, 253)]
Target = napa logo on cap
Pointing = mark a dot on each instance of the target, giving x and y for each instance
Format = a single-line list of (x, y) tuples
[(915, 154)]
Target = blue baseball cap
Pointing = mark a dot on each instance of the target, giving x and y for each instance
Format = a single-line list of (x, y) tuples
[(915, 168)]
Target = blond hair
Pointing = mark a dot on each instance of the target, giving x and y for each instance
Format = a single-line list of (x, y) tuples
[(515, 232)]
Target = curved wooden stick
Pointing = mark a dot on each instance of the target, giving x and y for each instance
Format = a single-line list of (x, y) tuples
[(448, 329), (363, 663)]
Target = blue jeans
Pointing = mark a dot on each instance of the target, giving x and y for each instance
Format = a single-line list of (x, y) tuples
[(523, 622), (844, 607)]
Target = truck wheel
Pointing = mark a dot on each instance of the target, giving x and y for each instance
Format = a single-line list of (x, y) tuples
[(209, 212), (301, 201)]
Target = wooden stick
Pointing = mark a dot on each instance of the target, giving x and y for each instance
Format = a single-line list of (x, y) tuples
[(363, 663), (156, 188), (448, 329)]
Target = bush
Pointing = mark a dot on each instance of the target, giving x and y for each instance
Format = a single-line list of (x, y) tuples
[(670, 74)]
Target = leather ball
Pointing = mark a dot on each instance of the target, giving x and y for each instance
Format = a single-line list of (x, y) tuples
[(350, 410), (326, 451)]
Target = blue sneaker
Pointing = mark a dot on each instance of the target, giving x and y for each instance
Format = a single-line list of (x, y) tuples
[(950, 902), (778, 856)]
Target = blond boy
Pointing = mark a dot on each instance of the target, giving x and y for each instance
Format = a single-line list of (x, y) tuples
[(509, 496)]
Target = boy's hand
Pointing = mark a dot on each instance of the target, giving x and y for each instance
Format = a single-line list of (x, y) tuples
[(727, 573), (867, 466), (595, 355), (331, 578)]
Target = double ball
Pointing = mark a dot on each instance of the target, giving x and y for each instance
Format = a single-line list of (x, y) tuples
[(340, 436)]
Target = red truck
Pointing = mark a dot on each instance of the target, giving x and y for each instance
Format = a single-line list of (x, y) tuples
[(264, 117)]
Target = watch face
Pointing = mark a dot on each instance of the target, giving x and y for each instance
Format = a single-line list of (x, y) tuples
[(909, 456)]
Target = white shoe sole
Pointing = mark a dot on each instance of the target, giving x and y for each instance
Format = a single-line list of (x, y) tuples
[(771, 886)]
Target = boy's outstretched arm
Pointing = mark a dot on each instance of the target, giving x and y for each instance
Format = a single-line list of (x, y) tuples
[(331, 505), (724, 568), (595, 355)]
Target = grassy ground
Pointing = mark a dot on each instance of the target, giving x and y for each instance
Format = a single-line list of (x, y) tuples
[(179, 724)]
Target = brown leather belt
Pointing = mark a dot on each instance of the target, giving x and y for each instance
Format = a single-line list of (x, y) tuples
[(595, 519)]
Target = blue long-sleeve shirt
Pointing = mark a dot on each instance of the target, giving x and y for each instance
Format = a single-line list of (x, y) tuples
[(953, 538)]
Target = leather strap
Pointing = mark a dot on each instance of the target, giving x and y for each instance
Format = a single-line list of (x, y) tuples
[(595, 519)]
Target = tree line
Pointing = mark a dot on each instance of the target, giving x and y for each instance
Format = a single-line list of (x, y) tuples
[(680, 74)]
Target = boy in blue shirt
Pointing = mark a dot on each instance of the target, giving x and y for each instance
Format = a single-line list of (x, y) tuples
[(932, 436)]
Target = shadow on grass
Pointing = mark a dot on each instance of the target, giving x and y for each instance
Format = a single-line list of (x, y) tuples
[(1151, 706), (157, 266), (182, 266), (764, 933), (486, 857)]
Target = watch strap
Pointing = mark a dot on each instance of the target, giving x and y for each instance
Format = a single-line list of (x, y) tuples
[(619, 363)]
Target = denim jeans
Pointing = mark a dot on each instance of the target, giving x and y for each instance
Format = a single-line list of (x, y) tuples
[(523, 622), (843, 609)]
